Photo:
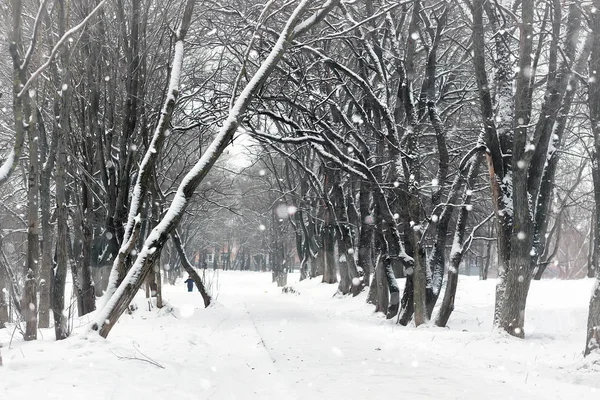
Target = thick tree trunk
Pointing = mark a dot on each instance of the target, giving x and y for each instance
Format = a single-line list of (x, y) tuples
[(329, 268), (349, 281), (380, 292)]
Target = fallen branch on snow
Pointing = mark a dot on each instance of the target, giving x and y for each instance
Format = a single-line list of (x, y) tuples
[(135, 357)]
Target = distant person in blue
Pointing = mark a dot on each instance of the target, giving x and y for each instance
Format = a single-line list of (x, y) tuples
[(190, 284)]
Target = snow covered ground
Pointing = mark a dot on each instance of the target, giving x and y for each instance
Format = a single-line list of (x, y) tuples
[(257, 343)]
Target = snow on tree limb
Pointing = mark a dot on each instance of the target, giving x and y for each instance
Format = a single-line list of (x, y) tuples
[(36, 27), (7, 166), (57, 47)]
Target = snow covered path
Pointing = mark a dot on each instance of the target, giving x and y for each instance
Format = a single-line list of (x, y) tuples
[(257, 343)]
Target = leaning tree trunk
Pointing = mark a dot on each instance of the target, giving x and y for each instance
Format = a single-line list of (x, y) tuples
[(118, 303), (458, 247), (189, 269)]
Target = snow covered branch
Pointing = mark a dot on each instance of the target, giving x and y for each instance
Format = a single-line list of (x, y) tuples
[(58, 46)]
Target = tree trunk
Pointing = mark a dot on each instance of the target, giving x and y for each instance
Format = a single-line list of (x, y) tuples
[(381, 293), (87, 283), (28, 307), (189, 269), (60, 274), (592, 341), (365, 240), (47, 236), (329, 269), (33, 226)]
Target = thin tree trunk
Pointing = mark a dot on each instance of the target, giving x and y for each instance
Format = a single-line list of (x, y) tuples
[(60, 275), (33, 230), (87, 283), (187, 266), (458, 247), (4, 299), (46, 274)]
